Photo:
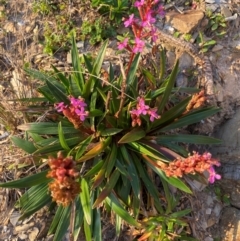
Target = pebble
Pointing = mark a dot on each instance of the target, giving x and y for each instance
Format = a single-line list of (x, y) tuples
[(24, 227), (33, 235), (217, 48), (210, 1)]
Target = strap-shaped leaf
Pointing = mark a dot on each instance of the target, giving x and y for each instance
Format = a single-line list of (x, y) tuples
[(152, 190), (110, 131), (78, 71), (81, 148), (61, 77), (145, 149), (115, 205), (133, 70), (96, 70), (33, 201), (170, 115), (62, 139), (176, 182), (57, 93), (25, 145), (133, 135), (85, 201), (108, 188), (98, 148), (78, 219), (63, 224), (196, 139), (56, 220), (28, 181), (46, 128), (168, 89), (194, 117)]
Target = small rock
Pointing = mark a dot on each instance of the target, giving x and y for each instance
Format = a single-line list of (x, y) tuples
[(181, 80), (14, 218), (185, 61), (33, 234), (217, 48), (210, 1), (10, 27), (69, 57), (21, 228), (225, 11), (22, 236), (208, 239), (171, 58), (80, 45), (185, 23), (208, 211), (230, 224)]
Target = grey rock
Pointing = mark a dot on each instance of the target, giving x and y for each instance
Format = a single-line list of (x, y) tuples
[(230, 224)]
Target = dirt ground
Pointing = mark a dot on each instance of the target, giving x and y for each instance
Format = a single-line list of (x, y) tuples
[(21, 44)]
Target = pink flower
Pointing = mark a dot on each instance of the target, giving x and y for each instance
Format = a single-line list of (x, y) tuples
[(154, 34), (138, 4), (153, 114), (161, 11), (213, 175), (60, 106), (81, 113), (77, 103), (129, 21), (139, 44), (123, 44), (148, 19)]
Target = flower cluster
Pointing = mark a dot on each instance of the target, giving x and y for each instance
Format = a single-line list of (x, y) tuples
[(75, 112), (193, 164), (143, 27), (64, 187), (142, 109)]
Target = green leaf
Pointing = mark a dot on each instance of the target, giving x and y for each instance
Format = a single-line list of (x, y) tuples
[(162, 65), (214, 27), (62, 138), (96, 70), (81, 148), (209, 43), (134, 135), (193, 117), (97, 227), (169, 116), (146, 150), (46, 128), (108, 188), (55, 145), (28, 181), (57, 93), (168, 89), (78, 71), (87, 230), (61, 77), (55, 220), (78, 220), (110, 131), (85, 201), (196, 139), (133, 70), (63, 224), (113, 202), (100, 146), (25, 145), (176, 182), (32, 202)]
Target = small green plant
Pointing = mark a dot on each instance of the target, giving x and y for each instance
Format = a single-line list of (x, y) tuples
[(43, 7), (97, 31), (205, 45), (217, 23), (115, 9)]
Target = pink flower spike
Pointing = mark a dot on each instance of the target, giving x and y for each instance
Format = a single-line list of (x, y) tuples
[(153, 114), (123, 44), (213, 175), (81, 113), (129, 21), (60, 106), (139, 45), (138, 4)]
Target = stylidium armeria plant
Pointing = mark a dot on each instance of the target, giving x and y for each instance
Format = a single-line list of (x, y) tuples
[(105, 144)]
